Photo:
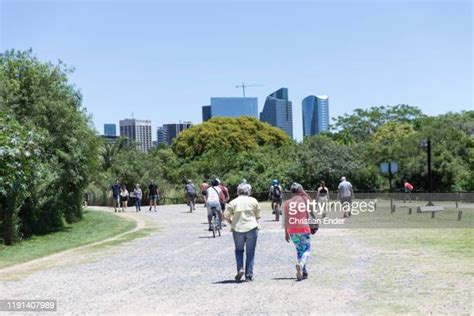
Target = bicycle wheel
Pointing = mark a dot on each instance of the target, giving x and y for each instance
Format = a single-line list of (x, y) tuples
[(214, 228), (214, 224), (277, 212)]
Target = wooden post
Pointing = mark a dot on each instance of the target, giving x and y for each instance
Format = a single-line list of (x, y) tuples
[(433, 214), (409, 211), (459, 215), (393, 209)]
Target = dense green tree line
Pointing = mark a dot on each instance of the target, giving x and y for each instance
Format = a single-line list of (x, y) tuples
[(48, 149), (395, 134)]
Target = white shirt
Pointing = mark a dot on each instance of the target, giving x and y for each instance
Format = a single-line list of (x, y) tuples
[(213, 194)]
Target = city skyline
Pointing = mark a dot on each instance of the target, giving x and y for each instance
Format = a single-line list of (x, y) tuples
[(361, 54)]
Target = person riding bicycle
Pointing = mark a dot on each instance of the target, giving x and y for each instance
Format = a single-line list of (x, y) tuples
[(275, 194), (190, 192), (214, 196)]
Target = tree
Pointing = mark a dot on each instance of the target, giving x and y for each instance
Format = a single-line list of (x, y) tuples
[(222, 133), (18, 155), (363, 123), (40, 97)]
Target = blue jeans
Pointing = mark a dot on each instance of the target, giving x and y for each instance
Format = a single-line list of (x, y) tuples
[(249, 240), (138, 203)]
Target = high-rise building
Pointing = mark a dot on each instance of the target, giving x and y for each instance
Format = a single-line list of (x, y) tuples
[(138, 131), (278, 111), (234, 107), (110, 129), (173, 130), (315, 114), (161, 136), (206, 113)]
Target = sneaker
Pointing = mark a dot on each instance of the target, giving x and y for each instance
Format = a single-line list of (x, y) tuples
[(305, 273), (210, 229), (248, 278), (239, 275), (299, 276)]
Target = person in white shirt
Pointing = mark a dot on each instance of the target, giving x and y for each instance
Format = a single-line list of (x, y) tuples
[(213, 199)]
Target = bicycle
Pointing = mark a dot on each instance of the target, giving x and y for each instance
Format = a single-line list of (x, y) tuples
[(216, 225), (277, 210)]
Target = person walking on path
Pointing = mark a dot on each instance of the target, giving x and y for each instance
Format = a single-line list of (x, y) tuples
[(190, 192), (138, 194), (408, 188), (124, 197), (322, 197), (243, 214), (297, 228), (152, 195), (116, 194), (345, 195)]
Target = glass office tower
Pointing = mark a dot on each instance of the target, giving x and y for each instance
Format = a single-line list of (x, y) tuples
[(234, 107), (315, 115), (206, 112), (110, 129), (278, 111)]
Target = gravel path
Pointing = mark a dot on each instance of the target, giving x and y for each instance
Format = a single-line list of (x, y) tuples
[(183, 270)]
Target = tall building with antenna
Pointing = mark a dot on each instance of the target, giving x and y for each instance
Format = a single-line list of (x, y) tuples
[(138, 131)]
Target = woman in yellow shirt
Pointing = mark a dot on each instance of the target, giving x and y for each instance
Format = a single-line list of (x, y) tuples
[(243, 214)]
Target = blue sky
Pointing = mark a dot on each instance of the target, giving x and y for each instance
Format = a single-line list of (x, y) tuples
[(164, 60)]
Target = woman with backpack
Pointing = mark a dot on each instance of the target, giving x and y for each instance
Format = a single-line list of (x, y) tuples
[(297, 227), (275, 194)]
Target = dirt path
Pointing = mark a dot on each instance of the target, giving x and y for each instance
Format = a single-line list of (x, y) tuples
[(183, 270)]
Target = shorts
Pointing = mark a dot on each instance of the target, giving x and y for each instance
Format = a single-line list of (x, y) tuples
[(116, 198), (153, 197), (204, 192), (277, 199), (123, 198), (346, 199), (213, 204)]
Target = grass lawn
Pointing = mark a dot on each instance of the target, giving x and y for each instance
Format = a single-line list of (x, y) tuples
[(95, 226)]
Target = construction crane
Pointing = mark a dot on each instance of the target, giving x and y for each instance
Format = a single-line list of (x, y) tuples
[(243, 86)]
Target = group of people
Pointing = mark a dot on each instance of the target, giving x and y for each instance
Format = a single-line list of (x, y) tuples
[(121, 196), (243, 214)]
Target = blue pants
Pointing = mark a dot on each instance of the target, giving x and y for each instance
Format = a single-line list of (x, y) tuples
[(138, 203), (249, 241)]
